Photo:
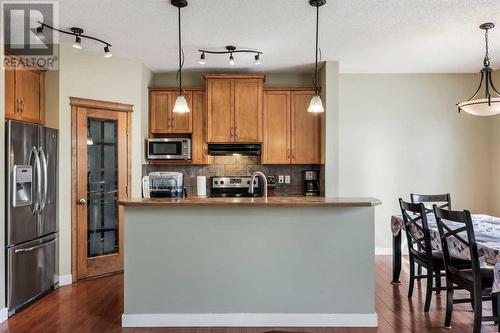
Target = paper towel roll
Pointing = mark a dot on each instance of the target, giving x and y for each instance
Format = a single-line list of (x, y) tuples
[(201, 186)]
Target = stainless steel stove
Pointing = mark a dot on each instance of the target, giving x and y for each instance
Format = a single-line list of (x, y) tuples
[(233, 187)]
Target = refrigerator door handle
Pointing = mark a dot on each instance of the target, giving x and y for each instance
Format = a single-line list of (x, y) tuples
[(43, 199), (29, 249), (38, 173)]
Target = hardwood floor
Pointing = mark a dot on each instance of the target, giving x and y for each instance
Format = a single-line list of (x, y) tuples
[(96, 306)]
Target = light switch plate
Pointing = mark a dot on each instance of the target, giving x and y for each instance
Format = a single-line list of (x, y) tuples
[(287, 179), (281, 179)]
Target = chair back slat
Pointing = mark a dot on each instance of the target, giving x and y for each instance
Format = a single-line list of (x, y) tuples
[(455, 227), (417, 229), (442, 200)]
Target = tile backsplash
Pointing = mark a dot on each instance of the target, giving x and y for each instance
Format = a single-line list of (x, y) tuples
[(239, 166)]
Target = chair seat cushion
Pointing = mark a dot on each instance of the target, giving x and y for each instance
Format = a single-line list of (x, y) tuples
[(486, 276)]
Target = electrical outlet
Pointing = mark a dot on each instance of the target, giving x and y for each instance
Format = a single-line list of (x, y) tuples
[(287, 179), (281, 179)]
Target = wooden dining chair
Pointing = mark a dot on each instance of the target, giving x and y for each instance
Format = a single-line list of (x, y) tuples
[(442, 200), (420, 250), (475, 279)]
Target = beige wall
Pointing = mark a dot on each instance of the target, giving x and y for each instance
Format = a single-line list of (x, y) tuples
[(401, 133), (89, 75), (494, 141), (52, 99)]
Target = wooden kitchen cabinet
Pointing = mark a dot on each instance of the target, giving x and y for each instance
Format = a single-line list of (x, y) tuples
[(162, 119), (199, 152), (291, 134), (25, 95), (234, 108)]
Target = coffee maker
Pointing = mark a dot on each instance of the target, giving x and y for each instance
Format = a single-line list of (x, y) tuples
[(311, 183)]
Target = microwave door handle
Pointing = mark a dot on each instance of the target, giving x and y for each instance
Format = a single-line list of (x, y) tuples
[(43, 200)]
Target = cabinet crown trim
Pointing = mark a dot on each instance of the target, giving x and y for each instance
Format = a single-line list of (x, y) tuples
[(95, 104), (235, 76)]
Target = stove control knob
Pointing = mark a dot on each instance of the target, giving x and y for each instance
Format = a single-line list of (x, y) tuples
[(222, 182), (216, 182), (248, 182)]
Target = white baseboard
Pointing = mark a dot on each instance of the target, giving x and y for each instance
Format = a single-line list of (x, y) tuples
[(65, 280), (387, 251), (4, 314), (250, 320)]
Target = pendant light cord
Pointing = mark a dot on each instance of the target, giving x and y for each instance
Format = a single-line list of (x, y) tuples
[(180, 53), (316, 76)]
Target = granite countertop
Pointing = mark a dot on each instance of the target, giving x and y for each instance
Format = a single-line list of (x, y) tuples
[(289, 201)]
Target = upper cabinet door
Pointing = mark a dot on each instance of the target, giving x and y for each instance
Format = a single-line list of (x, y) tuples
[(29, 92), (220, 110), (160, 103), (248, 110), (306, 130), (11, 104), (276, 147), (181, 122), (199, 147)]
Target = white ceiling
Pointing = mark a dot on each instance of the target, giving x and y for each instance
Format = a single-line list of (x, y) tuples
[(365, 36)]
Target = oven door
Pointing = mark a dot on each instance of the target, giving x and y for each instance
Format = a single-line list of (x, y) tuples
[(169, 149)]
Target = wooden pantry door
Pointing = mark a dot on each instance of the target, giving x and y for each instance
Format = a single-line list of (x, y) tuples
[(101, 173)]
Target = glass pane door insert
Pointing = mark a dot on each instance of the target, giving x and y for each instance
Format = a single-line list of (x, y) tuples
[(102, 188)]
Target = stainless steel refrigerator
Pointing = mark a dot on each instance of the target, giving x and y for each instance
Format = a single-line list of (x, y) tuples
[(31, 209)]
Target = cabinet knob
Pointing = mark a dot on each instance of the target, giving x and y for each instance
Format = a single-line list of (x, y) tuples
[(236, 131), (82, 201), (232, 131)]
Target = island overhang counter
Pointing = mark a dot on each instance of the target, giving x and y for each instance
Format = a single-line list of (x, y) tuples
[(285, 261)]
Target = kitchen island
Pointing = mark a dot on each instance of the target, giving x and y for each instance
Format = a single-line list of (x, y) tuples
[(284, 261)]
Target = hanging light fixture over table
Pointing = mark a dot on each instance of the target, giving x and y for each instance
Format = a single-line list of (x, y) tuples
[(489, 105), (316, 104), (181, 105)]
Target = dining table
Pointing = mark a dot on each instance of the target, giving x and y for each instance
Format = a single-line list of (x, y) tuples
[(487, 234)]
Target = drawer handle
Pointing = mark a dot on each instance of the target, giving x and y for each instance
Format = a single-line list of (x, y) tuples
[(232, 131), (29, 249), (168, 122)]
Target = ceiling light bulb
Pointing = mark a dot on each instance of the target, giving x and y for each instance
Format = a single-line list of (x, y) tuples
[(231, 60), (316, 105), (181, 105), (202, 59), (78, 43), (107, 52), (39, 33), (257, 60)]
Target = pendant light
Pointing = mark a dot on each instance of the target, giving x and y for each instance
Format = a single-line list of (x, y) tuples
[(487, 106), (181, 105), (316, 104)]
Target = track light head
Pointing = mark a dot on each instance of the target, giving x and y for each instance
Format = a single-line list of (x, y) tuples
[(39, 33), (78, 43), (107, 52), (231, 60), (202, 59), (257, 59)]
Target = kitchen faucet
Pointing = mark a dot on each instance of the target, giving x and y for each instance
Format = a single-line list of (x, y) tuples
[(264, 183)]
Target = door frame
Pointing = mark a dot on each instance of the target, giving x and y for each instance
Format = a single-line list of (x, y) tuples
[(77, 103)]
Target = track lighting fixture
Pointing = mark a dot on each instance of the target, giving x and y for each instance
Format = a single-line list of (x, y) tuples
[(202, 59), (316, 104), (39, 33), (257, 59), (230, 50), (181, 105), (77, 33), (107, 52), (78, 43)]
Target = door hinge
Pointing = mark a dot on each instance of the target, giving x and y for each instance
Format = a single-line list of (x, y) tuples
[(126, 190)]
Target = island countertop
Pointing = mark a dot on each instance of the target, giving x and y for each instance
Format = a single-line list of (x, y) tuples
[(288, 201)]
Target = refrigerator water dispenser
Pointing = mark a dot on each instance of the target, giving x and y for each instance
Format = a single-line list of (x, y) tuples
[(23, 176)]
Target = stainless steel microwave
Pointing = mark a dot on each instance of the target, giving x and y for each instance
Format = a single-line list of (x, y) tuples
[(169, 149)]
